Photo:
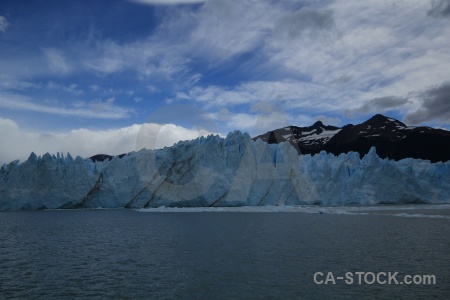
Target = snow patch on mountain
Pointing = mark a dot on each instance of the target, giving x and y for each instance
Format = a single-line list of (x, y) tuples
[(324, 135)]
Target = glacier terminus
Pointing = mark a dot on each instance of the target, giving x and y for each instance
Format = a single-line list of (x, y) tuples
[(220, 172)]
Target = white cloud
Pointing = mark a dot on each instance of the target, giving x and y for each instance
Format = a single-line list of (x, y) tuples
[(8, 83), (71, 88), (339, 54), (57, 61), (287, 94), (4, 24), (152, 89), (145, 57), (105, 65), (263, 116), (334, 55), (381, 49), (11, 84), (226, 29), (94, 110), (94, 87), (86, 143), (155, 136), (214, 33)]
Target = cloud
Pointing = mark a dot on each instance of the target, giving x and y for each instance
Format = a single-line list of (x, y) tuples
[(288, 94), (328, 121), (146, 57), (7, 83), (435, 105), (56, 60), (385, 49), (155, 136), (295, 24), (93, 110), (439, 8), (86, 143), (263, 116), (94, 87), (253, 123), (341, 80), (381, 104), (4, 24), (105, 65), (71, 88), (214, 33), (167, 2), (376, 50)]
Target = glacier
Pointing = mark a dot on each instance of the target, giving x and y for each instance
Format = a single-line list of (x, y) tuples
[(220, 172)]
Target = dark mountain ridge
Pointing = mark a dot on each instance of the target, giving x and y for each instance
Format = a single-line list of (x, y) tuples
[(102, 157), (392, 139)]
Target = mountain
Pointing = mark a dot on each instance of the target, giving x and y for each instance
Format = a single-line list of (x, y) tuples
[(215, 171), (103, 157), (392, 139)]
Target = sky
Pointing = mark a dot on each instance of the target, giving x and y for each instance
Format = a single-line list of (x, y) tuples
[(113, 76)]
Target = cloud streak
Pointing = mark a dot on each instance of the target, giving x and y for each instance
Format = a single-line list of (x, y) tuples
[(56, 60), (288, 94), (4, 24), (93, 110), (145, 57)]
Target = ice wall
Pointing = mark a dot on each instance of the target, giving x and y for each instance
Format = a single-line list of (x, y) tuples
[(215, 171)]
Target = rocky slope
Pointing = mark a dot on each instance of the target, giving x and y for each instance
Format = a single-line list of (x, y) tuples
[(392, 139)]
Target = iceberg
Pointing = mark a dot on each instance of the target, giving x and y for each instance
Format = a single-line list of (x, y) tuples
[(220, 172)]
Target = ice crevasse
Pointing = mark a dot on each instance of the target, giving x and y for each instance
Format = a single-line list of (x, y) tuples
[(216, 171)]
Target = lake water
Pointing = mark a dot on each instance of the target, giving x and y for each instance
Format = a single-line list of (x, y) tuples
[(222, 254)]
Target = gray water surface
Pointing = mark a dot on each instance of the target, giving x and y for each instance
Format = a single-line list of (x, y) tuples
[(216, 255)]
